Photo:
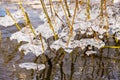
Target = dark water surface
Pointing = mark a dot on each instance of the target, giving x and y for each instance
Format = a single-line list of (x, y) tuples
[(105, 65)]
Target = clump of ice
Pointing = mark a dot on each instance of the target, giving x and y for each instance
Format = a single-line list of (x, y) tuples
[(30, 65), (83, 43), (25, 34), (35, 47), (8, 21), (90, 52), (93, 42)]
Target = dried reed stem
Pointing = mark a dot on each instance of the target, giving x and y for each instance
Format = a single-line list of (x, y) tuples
[(26, 17), (9, 14), (88, 9), (111, 47), (67, 8), (29, 24), (68, 22), (40, 36), (52, 6), (48, 18), (71, 29), (22, 8)]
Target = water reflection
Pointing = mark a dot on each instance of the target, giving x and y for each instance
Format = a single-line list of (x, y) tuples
[(104, 65)]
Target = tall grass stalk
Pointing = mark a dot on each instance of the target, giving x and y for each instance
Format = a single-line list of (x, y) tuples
[(40, 36), (67, 8), (101, 7), (9, 14), (49, 20), (88, 9), (55, 12), (29, 24), (26, 17), (67, 19), (68, 22), (51, 7), (73, 19), (22, 8)]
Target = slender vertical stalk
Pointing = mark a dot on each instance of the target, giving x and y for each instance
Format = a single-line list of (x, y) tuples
[(101, 6), (26, 17), (68, 22), (23, 11), (51, 7), (71, 28), (48, 18), (40, 36), (88, 9), (75, 10), (67, 8), (29, 23), (9, 14), (67, 19)]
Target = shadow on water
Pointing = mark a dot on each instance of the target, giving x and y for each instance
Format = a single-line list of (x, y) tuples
[(105, 65)]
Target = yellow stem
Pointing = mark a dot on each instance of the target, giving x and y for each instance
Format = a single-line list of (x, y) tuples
[(29, 23), (26, 17), (111, 47), (67, 8), (40, 36), (9, 14), (49, 20), (68, 22), (71, 28), (88, 9)]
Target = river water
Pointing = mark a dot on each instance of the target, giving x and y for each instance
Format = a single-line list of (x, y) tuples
[(105, 65)]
